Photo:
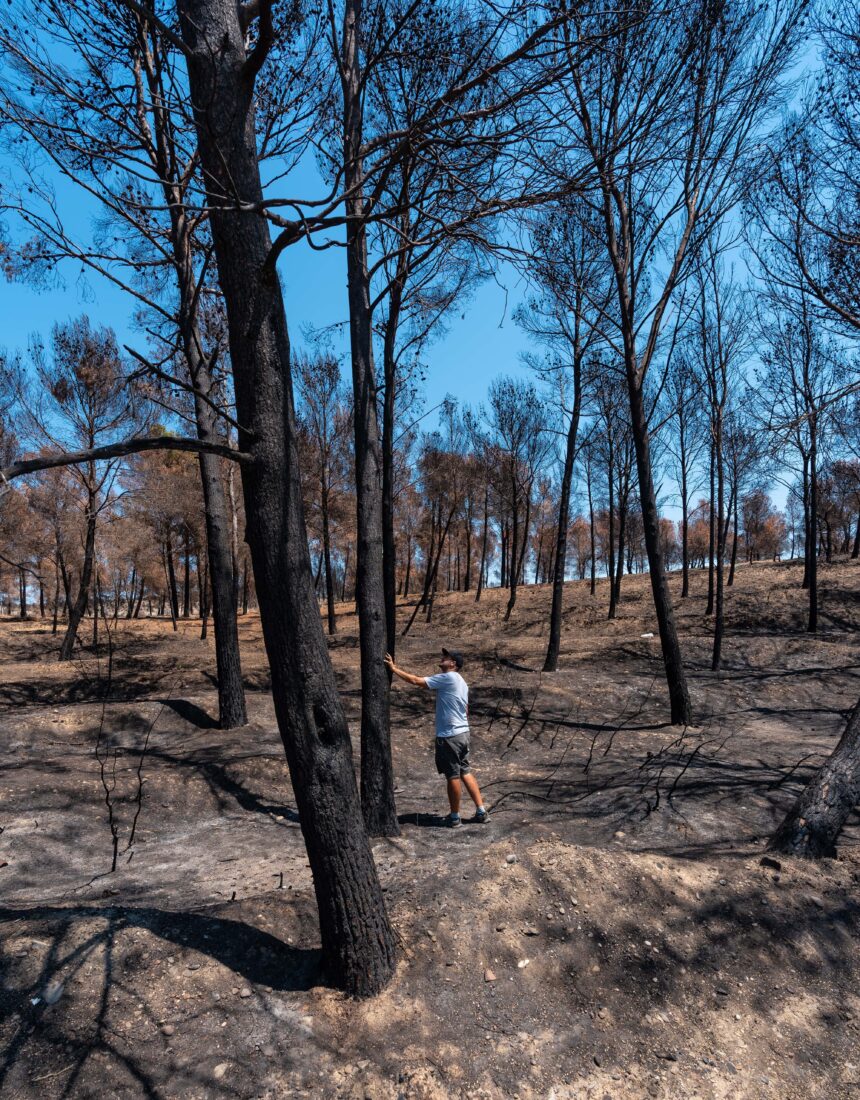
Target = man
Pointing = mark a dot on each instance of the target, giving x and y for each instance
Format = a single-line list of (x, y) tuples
[(452, 730)]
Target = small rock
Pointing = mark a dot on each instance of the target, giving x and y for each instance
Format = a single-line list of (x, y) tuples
[(52, 993), (603, 1012), (721, 991), (523, 963), (723, 882), (774, 864), (530, 930), (668, 1055), (245, 993), (489, 976), (194, 966), (219, 1071), (598, 1061), (510, 858), (619, 834), (501, 927), (816, 901), (168, 1029)]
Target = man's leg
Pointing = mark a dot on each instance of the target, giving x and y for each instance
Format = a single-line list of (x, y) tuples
[(472, 787), (454, 793)]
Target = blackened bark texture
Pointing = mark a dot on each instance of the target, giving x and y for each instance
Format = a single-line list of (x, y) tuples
[(77, 610), (679, 698), (685, 505), (172, 590), (484, 535), (716, 654), (553, 647), (231, 692), (329, 578), (731, 579), (592, 539), (812, 532), (186, 583), (389, 369), (709, 609), (357, 939), (812, 826), (377, 772)]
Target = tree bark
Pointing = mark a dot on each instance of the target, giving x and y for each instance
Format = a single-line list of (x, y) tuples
[(812, 826), (186, 583), (716, 654), (329, 579), (679, 698), (77, 610), (812, 533), (357, 939), (550, 663), (377, 772), (483, 565), (709, 609)]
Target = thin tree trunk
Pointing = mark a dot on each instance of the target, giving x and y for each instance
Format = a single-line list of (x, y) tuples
[(357, 940), (709, 610), (679, 698), (140, 598), (484, 535), (329, 579), (611, 523), (812, 539), (186, 585), (716, 655), (131, 593), (171, 587), (172, 590), (56, 597), (77, 610), (377, 772)]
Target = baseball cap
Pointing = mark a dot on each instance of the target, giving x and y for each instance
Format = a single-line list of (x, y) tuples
[(456, 657)]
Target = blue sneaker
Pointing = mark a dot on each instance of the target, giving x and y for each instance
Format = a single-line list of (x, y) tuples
[(453, 821), (481, 816)]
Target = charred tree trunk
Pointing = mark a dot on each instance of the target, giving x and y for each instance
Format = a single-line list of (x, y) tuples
[(357, 940), (716, 655), (591, 533), (77, 610), (186, 583), (709, 610), (812, 534), (482, 567), (812, 826), (685, 535), (329, 578), (377, 772), (172, 590), (679, 698), (550, 663), (56, 613)]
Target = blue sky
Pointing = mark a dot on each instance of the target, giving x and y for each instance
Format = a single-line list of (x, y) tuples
[(481, 339)]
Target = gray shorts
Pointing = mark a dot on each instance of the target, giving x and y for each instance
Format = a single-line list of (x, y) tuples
[(452, 756)]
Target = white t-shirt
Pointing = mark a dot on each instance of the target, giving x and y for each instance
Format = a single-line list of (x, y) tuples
[(452, 703)]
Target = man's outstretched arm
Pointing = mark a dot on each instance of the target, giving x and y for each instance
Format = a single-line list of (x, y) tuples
[(408, 677)]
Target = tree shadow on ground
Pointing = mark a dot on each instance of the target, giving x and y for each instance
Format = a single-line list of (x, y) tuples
[(83, 940), (190, 712)]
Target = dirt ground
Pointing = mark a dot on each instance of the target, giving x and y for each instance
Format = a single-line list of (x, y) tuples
[(612, 932)]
